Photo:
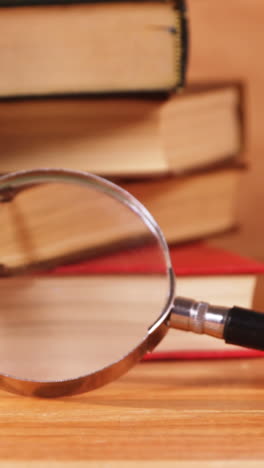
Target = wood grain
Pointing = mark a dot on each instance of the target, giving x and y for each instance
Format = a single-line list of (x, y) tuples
[(195, 412)]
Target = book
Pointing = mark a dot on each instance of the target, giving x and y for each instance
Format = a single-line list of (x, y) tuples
[(203, 272), (77, 318), (192, 206), (51, 223), (125, 137), (91, 47)]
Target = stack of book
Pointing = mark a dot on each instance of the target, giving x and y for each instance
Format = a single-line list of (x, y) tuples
[(94, 86)]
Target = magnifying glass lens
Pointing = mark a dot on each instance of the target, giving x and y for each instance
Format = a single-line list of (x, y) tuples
[(60, 322)]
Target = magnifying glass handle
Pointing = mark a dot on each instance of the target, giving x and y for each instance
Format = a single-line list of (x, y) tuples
[(245, 328), (238, 326)]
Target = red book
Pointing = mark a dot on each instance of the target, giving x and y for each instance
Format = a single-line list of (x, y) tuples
[(79, 318), (187, 260), (203, 272)]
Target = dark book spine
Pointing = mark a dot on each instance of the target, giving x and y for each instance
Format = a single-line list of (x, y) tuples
[(182, 7), (180, 4)]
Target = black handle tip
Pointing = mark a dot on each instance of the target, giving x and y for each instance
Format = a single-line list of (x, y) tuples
[(245, 327)]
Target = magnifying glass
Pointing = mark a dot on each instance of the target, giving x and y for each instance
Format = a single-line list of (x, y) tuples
[(64, 335)]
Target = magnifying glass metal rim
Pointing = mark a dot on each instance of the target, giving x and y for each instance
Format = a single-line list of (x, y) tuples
[(13, 183), (235, 325)]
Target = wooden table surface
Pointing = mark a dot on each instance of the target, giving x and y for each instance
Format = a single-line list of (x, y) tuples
[(200, 414)]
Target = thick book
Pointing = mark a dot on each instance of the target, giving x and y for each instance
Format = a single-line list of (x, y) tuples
[(51, 223), (92, 47), (203, 272), (127, 137), (52, 321)]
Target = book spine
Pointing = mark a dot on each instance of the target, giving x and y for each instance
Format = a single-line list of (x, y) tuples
[(181, 7), (179, 4), (36, 3)]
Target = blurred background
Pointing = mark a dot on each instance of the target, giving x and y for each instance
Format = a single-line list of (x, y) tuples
[(226, 43)]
